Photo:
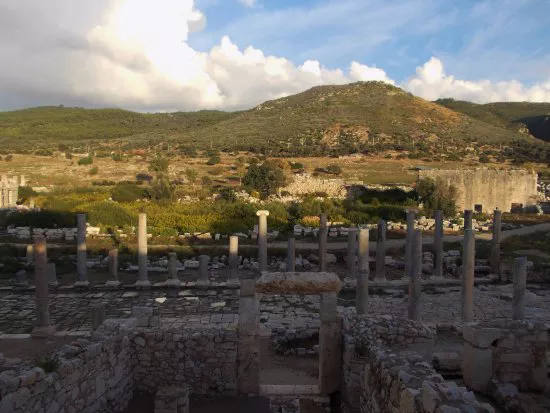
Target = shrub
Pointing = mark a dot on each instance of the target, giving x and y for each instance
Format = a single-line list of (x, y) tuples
[(86, 161), (127, 193), (94, 170), (206, 180), (296, 166), (214, 160), (437, 195), (26, 192), (68, 155), (8, 158), (117, 158), (144, 177), (484, 159), (227, 194), (265, 178), (43, 152)]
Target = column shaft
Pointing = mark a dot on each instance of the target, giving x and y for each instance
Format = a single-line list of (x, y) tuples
[(142, 248), (352, 252), (291, 255), (468, 262), (41, 282), (233, 257), (495, 244), (262, 240), (380, 274), (415, 280), (408, 242), (323, 235), (362, 287), (438, 243), (520, 281), (81, 268)]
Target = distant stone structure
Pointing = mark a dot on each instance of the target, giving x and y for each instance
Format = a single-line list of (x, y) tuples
[(485, 189), (9, 190)]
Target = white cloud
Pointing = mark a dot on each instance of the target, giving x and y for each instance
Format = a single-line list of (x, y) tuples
[(248, 3), (431, 82), (134, 54)]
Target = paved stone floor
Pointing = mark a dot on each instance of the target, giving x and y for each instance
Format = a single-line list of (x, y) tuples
[(70, 311)]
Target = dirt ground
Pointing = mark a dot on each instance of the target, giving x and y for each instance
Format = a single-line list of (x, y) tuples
[(30, 348)]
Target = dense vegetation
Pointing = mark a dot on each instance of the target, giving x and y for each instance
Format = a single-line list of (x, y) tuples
[(323, 121), (522, 117)]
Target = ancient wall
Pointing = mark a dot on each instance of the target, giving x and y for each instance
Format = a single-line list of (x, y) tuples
[(9, 190), (306, 184), (490, 188), (93, 375)]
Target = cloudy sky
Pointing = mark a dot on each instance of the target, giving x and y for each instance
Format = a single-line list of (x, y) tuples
[(166, 55)]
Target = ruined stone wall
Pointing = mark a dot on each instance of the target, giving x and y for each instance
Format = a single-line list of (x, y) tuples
[(491, 188), (360, 332), (203, 357), (306, 184), (93, 375)]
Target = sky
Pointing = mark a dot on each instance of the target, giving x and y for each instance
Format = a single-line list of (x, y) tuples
[(168, 55)]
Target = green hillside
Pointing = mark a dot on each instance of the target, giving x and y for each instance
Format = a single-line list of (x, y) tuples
[(60, 124), (522, 117), (322, 120)]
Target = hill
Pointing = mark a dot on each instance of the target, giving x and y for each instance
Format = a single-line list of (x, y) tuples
[(324, 120), (70, 125), (522, 117), (363, 112)]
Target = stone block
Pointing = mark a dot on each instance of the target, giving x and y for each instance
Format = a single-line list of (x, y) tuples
[(248, 367), (330, 357), (479, 336), (477, 367)]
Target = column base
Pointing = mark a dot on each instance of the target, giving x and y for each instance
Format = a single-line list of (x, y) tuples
[(142, 284), (82, 284), (43, 332), (112, 284), (203, 283), (172, 283)]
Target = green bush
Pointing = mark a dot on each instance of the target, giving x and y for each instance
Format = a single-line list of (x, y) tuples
[(214, 160), (86, 161), (265, 178), (437, 195), (93, 171), (127, 192)]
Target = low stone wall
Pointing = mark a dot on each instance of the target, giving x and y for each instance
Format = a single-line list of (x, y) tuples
[(92, 375), (359, 333), (202, 357)]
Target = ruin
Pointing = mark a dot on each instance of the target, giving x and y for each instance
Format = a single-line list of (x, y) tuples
[(375, 355), (9, 190), (485, 189)]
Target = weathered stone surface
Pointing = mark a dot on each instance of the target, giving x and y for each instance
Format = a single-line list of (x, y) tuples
[(298, 283)]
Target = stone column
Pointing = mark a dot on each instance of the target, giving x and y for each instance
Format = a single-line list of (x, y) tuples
[(468, 214), (330, 345), (291, 255), (362, 287), (415, 280), (233, 258), (43, 326), (495, 244), (468, 262), (352, 252), (113, 269), (262, 240), (323, 235), (411, 215), (81, 269), (248, 363), (203, 270), (30, 253), (380, 274), (520, 280), (438, 243), (98, 315), (143, 279)]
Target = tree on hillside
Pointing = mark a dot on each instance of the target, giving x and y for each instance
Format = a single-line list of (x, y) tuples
[(160, 188), (265, 178), (159, 165), (191, 175), (437, 195)]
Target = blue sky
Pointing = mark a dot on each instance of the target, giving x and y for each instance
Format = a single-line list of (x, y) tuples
[(496, 40), (168, 55)]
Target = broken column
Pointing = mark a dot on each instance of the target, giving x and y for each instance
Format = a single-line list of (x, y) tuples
[(362, 288), (408, 242), (468, 262), (143, 279), (113, 268), (30, 253), (52, 275), (81, 269), (43, 326), (203, 270), (173, 280), (97, 315), (468, 214), (262, 240), (415, 280), (291, 255), (380, 274), (520, 281), (248, 368), (352, 251), (323, 235), (438, 243), (233, 258), (495, 243), (330, 345)]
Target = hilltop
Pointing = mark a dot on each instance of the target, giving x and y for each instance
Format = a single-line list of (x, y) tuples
[(362, 116), (521, 117)]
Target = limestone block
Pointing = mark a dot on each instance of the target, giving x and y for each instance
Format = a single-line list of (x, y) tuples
[(330, 355), (480, 337), (477, 367)]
